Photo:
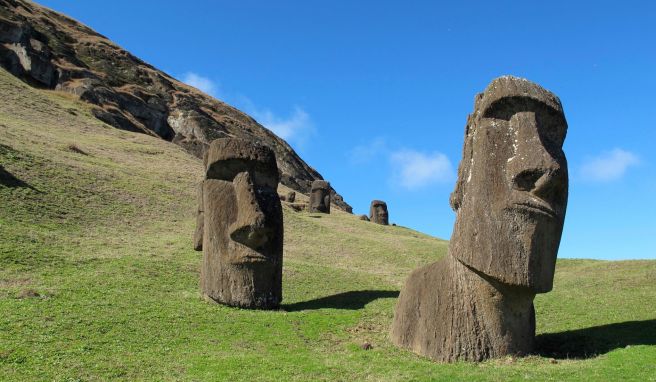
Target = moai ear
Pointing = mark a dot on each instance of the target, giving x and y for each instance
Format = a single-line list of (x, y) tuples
[(465, 166)]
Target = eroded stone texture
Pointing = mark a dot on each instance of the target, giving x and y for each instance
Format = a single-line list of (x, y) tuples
[(320, 197), (243, 226), (510, 201), (200, 221), (378, 212), (364, 217)]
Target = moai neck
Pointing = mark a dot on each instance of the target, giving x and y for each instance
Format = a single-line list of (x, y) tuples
[(491, 319)]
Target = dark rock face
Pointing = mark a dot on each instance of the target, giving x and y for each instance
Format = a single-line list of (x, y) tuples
[(378, 212), (320, 197), (49, 50), (242, 227), (510, 200)]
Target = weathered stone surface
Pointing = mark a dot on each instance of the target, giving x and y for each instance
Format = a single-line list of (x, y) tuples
[(291, 197), (243, 226), (378, 212), (510, 200), (48, 49), (320, 197), (364, 217), (200, 221)]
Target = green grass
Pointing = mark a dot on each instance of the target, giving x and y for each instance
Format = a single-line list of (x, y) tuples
[(98, 280)]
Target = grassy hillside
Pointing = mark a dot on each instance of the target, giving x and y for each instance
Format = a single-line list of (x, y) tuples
[(98, 280)]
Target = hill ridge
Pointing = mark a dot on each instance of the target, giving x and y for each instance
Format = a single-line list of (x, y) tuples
[(49, 50)]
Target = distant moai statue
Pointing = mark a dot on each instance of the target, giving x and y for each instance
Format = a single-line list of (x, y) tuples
[(378, 212), (291, 196), (510, 200), (242, 225), (320, 197)]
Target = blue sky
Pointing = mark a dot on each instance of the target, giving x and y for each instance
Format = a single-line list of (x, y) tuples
[(375, 94)]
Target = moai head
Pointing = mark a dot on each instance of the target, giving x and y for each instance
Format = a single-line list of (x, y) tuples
[(378, 212), (511, 192), (320, 197), (243, 230)]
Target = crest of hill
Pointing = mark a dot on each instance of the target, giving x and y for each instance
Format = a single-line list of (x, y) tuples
[(49, 50)]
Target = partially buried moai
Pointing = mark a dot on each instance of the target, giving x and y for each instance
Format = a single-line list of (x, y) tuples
[(320, 197), (242, 225), (378, 212), (510, 200)]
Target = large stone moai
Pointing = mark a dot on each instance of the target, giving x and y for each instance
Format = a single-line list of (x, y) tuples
[(378, 212), (242, 225), (510, 200), (320, 197)]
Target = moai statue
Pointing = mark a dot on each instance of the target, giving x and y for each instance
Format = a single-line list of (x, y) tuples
[(510, 199), (378, 212), (320, 197), (242, 225), (291, 196)]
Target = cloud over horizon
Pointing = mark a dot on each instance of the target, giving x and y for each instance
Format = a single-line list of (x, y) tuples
[(204, 84), (413, 170), (608, 166), (297, 127)]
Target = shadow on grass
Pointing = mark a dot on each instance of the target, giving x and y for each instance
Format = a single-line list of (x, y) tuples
[(591, 342), (352, 300), (9, 180)]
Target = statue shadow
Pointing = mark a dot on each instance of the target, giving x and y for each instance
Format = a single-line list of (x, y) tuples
[(596, 340), (352, 300), (9, 180)]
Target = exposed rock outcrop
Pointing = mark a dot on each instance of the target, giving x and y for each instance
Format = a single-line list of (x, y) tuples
[(49, 50)]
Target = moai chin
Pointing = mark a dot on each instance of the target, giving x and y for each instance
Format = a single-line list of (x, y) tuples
[(320, 197), (378, 212), (510, 200), (242, 235)]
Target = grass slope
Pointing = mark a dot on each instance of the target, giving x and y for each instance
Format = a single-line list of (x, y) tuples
[(98, 280)]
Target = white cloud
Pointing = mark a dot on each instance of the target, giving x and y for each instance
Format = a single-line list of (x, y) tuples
[(201, 83), (297, 128), (609, 166), (413, 170), (367, 152)]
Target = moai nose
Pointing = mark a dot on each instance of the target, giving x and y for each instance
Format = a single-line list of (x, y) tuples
[(250, 227), (532, 168)]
